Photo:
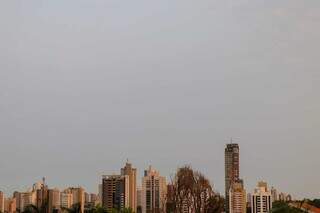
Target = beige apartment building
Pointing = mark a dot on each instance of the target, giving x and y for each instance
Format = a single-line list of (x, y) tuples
[(154, 190), (237, 198), (261, 199), (132, 174)]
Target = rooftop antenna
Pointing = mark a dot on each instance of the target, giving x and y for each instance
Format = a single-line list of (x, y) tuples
[(44, 181)]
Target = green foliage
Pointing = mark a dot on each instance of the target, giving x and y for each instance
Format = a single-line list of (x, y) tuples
[(125, 210), (283, 207), (101, 209), (315, 202), (76, 208), (31, 209), (34, 209)]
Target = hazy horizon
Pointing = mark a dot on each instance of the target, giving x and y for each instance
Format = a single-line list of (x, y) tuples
[(84, 85)]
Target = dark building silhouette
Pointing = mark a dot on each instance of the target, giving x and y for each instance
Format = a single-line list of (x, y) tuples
[(231, 155), (115, 193)]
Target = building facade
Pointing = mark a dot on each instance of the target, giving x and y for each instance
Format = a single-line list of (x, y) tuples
[(94, 199), (77, 196), (66, 199), (41, 190), (53, 200), (1, 201), (261, 199), (154, 190), (132, 174), (115, 191), (274, 194), (237, 198), (139, 200), (10, 205), (231, 169)]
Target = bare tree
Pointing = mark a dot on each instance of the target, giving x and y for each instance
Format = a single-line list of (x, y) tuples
[(192, 192)]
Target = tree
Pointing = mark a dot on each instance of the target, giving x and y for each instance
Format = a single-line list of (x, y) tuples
[(31, 209), (192, 191), (100, 209), (215, 204), (123, 210), (126, 210), (35, 209), (283, 207), (315, 202), (76, 208)]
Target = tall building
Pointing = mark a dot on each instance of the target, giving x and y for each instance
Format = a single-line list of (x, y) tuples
[(16, 196), (282, 196), (86, 197), (154, 190), (10, 206), (100, 193), (274, 194), (132, 174), (231, 169), (115, 191), (66, 199), (94, 198), (261, 201), (1, 201), (249, 202), (26, 199), (170, 204), (41, 190), (263, 184), (237, 198), (139, 200), (53, 200), (77, 196)]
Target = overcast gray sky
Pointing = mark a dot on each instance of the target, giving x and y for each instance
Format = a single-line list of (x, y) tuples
[(86, 84)]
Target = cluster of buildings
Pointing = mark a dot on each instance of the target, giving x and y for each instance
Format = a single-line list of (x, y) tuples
[(237, 200), (48, 200), (118, 191)]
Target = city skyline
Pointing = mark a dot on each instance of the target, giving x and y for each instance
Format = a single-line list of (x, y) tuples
[(84, 85), (119, 191), (138, 184)]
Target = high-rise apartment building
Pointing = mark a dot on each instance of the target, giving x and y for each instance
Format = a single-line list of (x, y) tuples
[(132, 174), (77, 196), (66, 199), (115, 191), (16, 196), (261, 201), (282, 196), (139, 200), (154, 190), (26, 199), (274, 194), (1, 201), (53, 200), (10, 205), (41, 190), (86, 197), (94, 198), (231, 169), (237, 198)]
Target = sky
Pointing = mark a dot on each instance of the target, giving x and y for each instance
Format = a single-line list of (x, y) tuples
[(87, 84)]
